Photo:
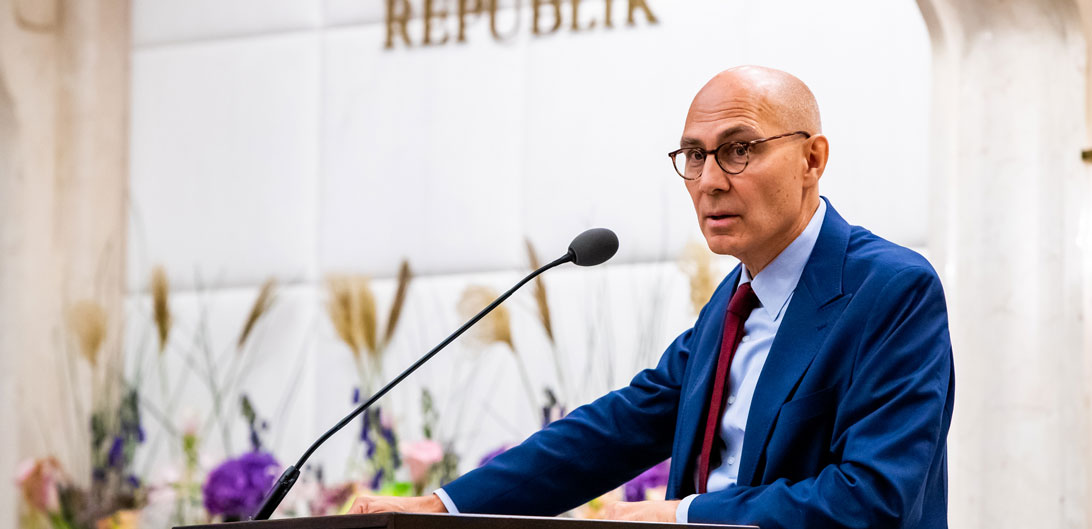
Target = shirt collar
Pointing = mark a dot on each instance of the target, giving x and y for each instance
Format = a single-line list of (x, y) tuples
[(775, 283)]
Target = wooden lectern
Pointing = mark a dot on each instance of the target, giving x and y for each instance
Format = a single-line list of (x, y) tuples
[(448, 521)]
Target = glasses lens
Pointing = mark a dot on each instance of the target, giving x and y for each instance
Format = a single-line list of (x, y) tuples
[(689, 163), (732, 157)]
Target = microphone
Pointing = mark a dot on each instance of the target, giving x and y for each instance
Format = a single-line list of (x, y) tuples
[(594, 246)]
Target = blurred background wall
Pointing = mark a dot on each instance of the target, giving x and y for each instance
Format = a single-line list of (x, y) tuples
[(299, 141)]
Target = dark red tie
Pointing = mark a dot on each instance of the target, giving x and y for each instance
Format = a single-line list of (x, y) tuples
[(743, 302)]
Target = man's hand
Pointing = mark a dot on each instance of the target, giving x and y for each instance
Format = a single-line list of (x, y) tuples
[(642, 511), (374, 504)]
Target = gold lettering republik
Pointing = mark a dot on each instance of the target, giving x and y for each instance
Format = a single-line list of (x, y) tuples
[(445, 21)]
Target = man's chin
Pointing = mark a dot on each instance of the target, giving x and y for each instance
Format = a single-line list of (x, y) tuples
[(723, 245)]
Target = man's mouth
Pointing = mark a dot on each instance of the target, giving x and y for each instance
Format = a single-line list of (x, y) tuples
[(721, 220)]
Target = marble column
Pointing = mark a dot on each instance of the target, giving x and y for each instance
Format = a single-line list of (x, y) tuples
[(64, 84), (1085, 240), (1009, 195)]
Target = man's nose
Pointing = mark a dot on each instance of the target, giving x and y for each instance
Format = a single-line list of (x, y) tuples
[(713, 179)]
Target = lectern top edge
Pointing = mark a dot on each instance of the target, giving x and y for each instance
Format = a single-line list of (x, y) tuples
[(448, 521)]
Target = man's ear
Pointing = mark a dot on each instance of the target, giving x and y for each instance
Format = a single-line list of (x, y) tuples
[(816, 151)]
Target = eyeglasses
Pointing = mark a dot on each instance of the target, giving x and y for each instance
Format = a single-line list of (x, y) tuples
[(732, 157)]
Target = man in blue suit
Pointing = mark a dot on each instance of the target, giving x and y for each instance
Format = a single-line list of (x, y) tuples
[(816, 387)]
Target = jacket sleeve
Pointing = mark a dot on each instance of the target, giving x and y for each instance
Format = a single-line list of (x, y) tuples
[(594, 449), (890, 426)]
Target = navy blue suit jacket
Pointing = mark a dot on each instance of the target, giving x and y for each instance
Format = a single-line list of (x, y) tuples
[(847, 427)]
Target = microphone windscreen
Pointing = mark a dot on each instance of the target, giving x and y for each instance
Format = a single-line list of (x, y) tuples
[(593, 247)]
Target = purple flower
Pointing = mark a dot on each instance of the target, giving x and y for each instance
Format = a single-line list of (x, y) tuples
[(236, 488), (493, 455), (386, 431), (113, 459), (651, 478), (377, 479), (553, 410), (255, 441), (365, 434)]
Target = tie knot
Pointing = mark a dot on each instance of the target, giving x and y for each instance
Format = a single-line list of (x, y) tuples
[(743, 301)]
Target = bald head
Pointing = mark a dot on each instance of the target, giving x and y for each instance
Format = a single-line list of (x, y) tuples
[(782, 98)]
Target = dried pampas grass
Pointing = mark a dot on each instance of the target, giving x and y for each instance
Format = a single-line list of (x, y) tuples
[(540, 293), (697, 263), (260, 307), (352, 311), (545, 319), (161, 310), (495, 327), (87, 320), (405, 275)]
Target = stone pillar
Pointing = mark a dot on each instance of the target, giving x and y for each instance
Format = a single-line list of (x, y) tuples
[(1086, 227), (8, 405), (64, 85), (1009, 195)]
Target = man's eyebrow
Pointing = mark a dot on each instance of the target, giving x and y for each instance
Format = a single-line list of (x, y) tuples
[(689, 142), (721, 138), (734, 131)]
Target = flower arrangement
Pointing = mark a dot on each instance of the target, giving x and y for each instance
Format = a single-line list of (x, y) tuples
[(54, 498), (118, 492), (352, 310)]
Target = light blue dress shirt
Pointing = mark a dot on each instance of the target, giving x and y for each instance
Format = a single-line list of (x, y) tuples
[(774, 287)]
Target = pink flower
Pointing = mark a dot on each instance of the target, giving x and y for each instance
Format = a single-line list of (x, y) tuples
[(419, 456), (39, 480)]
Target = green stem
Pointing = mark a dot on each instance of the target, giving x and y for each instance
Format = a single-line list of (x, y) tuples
[(535, 410), (58, 521), (217, 396), (561, 385)]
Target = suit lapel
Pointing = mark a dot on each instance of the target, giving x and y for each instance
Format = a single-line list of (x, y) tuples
[(805, 325), (697, 388)]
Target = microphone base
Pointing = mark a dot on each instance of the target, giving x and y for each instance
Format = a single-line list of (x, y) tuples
[(284, 483)]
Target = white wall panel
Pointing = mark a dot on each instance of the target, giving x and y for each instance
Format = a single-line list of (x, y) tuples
[(165, 21), (224, 141), (344, 12), (604, 109), (421, 155)]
